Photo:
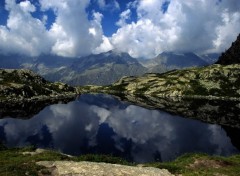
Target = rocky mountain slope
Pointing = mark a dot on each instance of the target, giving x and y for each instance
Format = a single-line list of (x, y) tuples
[(24, 84), (232, 55), (167, 61), (211, 81), (210, 58), (99, 69)]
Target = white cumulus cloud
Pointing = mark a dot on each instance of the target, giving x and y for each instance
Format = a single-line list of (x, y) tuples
[(23, 34), (72, 34), (146, 27), (198, 26)]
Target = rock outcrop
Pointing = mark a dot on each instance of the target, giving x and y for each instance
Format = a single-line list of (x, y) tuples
[(216, 81), (20, 84), (232, 55)]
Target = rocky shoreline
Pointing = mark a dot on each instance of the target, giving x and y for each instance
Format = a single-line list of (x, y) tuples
[(28, 107), (215, 82), (40, 98)]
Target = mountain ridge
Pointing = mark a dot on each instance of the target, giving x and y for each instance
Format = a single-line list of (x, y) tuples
[(232, 55), (99, 69)]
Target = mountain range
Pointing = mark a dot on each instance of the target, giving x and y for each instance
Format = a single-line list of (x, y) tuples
[(104, 68)]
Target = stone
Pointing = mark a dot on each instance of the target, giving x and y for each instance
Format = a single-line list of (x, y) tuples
[(63, 168)]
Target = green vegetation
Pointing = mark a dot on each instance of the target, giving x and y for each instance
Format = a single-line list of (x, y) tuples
[(215, 80), (23, 162), (201, 164)]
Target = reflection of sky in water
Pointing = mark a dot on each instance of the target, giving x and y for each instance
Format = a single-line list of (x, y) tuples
[(102, 124)]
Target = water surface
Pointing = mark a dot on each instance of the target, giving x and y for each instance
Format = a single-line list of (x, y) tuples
[(102, 124)]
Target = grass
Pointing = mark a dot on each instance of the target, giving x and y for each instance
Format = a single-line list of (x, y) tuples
[(13, 162), (202, 164)]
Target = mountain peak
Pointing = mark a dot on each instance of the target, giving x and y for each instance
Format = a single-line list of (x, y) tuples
[(232, 55)]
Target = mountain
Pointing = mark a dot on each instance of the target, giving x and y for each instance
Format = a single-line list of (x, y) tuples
[(172, 60), (232, 55), (105, 68), (10, 61), (99, 69), (210, 58)]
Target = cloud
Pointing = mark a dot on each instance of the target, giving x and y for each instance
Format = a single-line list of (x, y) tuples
[(125, 15), (146, 27), (112, 5), (72, 34), (196, 26), (23, 34), (104, 47)]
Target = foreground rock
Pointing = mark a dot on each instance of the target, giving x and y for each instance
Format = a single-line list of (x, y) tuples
[(60, 168)]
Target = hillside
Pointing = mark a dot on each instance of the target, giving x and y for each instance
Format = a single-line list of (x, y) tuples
[(232, 55), (210, 81), (22, 84)]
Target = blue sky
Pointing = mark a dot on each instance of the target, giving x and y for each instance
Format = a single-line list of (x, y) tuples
[(142, 28), (111, 14)]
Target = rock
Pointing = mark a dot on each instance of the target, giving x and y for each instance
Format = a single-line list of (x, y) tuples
[(25, 84), (62, 168), (216, 80), (232, 55)]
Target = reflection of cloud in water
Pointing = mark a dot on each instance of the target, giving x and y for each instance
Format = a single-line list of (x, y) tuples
[(155, 131), (144, 134), (68, 124)]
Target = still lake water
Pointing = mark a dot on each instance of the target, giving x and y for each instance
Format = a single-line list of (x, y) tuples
[(101, 124)]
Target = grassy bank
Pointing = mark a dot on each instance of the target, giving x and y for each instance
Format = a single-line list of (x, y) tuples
[(23, 162)]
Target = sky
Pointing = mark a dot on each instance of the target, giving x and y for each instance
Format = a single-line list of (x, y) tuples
[(142, 28)]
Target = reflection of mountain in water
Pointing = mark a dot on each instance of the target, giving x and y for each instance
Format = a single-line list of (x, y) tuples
[(220, 112), (102, 124)]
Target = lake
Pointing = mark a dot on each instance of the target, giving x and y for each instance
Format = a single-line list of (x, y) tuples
[(102, 124)]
